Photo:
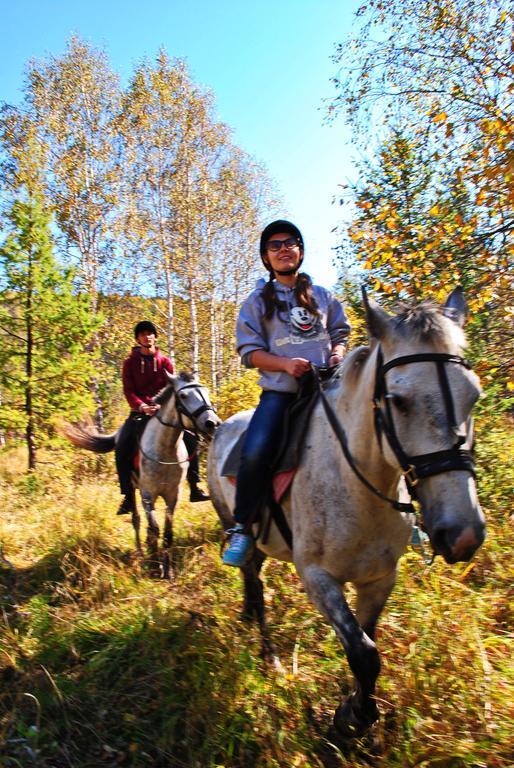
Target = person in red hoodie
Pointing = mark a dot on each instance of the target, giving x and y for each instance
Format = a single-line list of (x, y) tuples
[(143, 376)]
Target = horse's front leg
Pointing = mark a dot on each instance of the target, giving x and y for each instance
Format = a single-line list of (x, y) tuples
[(136, 524), (371, 599), (152, 533), (359, 711), (167, 540)]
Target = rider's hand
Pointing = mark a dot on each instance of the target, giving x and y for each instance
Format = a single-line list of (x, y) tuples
[(296, 366), (337, 355), (149, 410)]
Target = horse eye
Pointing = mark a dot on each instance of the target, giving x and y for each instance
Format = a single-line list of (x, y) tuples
[(183, 397), (400, 403)]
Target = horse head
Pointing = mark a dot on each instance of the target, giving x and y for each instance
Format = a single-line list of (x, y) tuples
[(193, 405), (423, 397)]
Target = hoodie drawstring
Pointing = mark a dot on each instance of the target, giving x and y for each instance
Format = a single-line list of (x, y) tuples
[(143, 363)]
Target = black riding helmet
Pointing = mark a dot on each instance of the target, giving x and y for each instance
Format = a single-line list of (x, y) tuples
[(281, 225), (145, 325)]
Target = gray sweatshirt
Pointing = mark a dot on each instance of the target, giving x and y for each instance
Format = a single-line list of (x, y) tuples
[(292, 332)]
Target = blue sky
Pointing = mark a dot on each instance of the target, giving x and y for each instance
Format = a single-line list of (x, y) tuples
[(267, 63)]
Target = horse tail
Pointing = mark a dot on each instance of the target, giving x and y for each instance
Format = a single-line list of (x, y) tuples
[(85, 436)]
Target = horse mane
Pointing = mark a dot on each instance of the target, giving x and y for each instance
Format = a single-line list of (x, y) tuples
[(428, 322), (351, 367), (166, 392), (355, 360), (187, 376)]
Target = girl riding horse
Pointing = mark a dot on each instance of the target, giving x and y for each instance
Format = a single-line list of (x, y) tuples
[(284, 325)]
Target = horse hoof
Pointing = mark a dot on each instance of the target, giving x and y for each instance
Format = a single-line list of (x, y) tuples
[(247, 616), (154, 569), (351, 724), (168, 575), (278, 666)]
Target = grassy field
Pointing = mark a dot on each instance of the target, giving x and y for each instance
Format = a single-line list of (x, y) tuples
[(102, 666)]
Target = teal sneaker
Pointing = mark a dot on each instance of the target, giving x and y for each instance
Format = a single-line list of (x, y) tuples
[(418, 538), (240, 547)]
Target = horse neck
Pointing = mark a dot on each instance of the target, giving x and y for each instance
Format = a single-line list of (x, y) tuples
[(163, 435), (354, 407)]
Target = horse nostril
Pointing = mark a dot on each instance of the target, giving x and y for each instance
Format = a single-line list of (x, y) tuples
[(210, 424), (456, 543)]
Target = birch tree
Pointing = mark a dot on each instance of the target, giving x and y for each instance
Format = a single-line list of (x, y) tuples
[(157, 120), (73, 103)]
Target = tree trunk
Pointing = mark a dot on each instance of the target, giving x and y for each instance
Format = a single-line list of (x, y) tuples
[(170, 311), (213, 334), (30, 437), (193, 309)]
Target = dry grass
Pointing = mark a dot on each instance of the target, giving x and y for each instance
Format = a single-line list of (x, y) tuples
[(102, 666)]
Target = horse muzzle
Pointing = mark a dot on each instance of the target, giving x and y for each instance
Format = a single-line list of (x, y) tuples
[(457, 543), (210, 425)]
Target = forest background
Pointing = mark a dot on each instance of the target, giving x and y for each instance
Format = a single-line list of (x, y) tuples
[(123, 203)]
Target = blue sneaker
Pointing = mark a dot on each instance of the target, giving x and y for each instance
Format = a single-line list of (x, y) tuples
[(240, 547), (418, 538)]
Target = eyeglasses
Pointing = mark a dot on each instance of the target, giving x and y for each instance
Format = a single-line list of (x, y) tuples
[(275, 245)]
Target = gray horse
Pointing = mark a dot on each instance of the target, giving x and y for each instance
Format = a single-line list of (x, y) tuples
[(395, 413), (163, 459)]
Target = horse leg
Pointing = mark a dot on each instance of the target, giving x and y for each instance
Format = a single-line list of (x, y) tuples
[(152, 534), (136, 524), (354, 716), (167, 541), (371, 599), (254, 608)]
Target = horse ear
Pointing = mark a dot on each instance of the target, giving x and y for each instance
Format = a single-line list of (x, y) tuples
[(172, 379), (456, 307), (377, 319)]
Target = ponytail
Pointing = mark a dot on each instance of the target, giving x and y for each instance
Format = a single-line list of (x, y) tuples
[(304, 295)]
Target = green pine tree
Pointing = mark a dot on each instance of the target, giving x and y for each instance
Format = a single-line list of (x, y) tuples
[(44, 326)]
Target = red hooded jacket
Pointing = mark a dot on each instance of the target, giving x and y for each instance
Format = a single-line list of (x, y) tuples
[(143, 376)]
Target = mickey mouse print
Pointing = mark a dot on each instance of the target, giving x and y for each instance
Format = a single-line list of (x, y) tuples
[(304, 325)]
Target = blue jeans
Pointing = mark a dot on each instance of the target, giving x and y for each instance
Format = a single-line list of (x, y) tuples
[(262, 441)]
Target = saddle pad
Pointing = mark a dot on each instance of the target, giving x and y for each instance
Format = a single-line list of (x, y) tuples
[(288, 451), (281, 482)]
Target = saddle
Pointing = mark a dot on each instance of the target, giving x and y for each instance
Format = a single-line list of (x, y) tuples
[(289, 450)]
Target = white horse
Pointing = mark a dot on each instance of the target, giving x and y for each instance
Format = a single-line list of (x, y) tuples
[(163, 458), (399, 407)]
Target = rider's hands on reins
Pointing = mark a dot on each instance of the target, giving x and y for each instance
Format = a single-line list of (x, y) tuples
[(149, 410)]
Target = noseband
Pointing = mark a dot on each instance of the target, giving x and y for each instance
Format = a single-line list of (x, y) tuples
[(418, 467)]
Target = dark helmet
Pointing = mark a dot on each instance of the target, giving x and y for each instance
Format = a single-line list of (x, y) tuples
[(281, 225), (145, 325)]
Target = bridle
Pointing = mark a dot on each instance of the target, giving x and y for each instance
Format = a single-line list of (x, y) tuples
[(414, 468), (182, 409)]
